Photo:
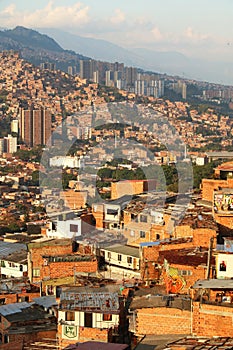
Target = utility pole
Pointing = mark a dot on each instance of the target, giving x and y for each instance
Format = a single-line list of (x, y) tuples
[(209, 258)]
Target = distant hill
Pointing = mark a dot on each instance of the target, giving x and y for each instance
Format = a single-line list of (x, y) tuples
[(48, 47), (37, 48), (169, 62), (96, 48), (31, 38)]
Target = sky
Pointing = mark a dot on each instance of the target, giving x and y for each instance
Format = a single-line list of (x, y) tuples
[(196, 28)]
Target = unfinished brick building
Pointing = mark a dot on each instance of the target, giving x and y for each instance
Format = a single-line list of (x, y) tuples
[(22, 323), (50, 259), (212, 308), (160, 315)]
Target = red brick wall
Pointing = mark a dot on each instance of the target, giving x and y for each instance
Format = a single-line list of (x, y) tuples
[(201, 237), (88, 334), (163, 320), (149, 258), (17, 340), (67, 269), (119, 189), (37, 251), (183, 231), (208, 187), (198, 272), (212, 320), (14, 298), (224, 220)]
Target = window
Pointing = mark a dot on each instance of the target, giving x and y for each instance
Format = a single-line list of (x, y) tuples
[(6, 339), (2, 301), (22, 299), (157, 236), (143, 218), (119, 257), (134, 217), (36, 272), (3, 264), (73, 228), (129, 259), (112, 212), (132, 233), (142, 234), (222, 266), (185, 272), (109, 255), (107, 317), (21, 268), (70, 316), (87, 320)]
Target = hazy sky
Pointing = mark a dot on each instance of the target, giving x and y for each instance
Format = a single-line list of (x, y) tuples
[(201, 28)]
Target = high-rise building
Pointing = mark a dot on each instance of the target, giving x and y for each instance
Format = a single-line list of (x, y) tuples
[(15, 126), (35, 127), (131, 75), (109, 76), (10, 144), (87, 68), (71, 70), (96, 77), (1, 146), (48, 65)]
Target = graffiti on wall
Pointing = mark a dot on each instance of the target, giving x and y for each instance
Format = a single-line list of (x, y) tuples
[(223, 202), (173, 281)]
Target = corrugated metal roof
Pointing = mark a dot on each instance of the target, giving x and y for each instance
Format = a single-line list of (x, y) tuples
[(11, 309), (148, 244), (7, 248), (46, 301), (214, 284), (124, 249)]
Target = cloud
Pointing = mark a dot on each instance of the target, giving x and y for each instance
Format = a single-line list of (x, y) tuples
[(194, 36), (118, 18), (156, 34), (49, 16), (9, 10)]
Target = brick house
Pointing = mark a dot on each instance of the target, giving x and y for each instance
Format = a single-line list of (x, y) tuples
[(107, 215), (50, 259), (159, 315), (21, 323), (152, 255), (91, 314), (181, 268), (212, 308), (131, 187)]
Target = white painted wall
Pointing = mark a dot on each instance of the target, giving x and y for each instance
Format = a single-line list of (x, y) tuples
[(227, 258), (12, 269)]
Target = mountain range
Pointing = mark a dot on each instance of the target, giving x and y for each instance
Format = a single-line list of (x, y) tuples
[(168, 62), (37, 48), (63, 48)]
